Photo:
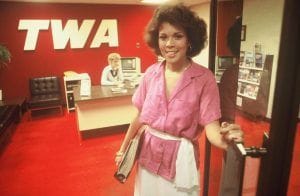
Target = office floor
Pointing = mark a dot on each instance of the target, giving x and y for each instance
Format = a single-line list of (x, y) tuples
[(44, 158)]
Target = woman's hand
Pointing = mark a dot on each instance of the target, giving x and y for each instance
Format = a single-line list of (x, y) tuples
[(119, 157), (231, 132)]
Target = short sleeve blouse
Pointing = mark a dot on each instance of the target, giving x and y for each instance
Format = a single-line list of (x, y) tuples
[(193, 102)]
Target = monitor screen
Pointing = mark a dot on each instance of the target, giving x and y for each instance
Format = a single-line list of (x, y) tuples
[(131, 64), (225, 61), (128, 64)]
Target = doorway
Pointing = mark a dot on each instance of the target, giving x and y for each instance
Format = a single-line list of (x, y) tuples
[(267, 88)]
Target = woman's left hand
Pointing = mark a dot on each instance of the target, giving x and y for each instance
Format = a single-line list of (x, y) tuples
[(232, 132)]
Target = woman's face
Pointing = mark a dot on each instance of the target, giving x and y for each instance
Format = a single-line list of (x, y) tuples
[(173, 43)]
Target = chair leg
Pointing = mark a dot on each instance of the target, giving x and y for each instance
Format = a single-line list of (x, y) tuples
[(30, 115), (61, 110)]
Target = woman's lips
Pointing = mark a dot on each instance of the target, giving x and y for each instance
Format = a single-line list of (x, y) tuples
[(171, 53)]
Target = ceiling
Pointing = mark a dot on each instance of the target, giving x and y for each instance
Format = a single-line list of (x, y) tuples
[(126, 2)]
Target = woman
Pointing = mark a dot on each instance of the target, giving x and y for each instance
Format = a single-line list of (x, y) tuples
[(175, 99), (112, 73), (228, 84)]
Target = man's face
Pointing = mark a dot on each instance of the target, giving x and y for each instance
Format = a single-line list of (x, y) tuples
[(115, 63)]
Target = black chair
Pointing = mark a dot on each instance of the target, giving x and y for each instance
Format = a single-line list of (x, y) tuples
[(9, 117), (45, 94)]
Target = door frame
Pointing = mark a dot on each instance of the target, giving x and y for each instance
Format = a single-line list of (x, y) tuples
[(274, 180), (274, 177)]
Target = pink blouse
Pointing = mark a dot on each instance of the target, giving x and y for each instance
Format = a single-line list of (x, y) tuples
[(193, 102)]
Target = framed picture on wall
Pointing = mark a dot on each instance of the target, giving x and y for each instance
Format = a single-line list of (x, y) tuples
[(243, 33)]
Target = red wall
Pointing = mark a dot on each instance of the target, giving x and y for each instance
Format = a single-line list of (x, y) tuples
[(227, 13), (45, 61)]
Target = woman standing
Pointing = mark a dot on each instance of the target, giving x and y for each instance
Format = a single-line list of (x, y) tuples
[(176, 99)]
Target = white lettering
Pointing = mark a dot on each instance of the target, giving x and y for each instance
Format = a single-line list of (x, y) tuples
[(107, 33), (33, 28), (71, 32)]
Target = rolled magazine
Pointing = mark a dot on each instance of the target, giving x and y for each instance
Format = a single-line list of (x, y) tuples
[(129, 157)]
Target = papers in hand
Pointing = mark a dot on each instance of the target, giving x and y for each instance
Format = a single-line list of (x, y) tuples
[(129, 157), (118, 90), (128, 161)]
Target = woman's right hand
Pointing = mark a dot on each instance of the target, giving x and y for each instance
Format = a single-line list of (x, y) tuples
[(232, 132)]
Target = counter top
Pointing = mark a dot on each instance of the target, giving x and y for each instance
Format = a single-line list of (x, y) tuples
[(101, 92)]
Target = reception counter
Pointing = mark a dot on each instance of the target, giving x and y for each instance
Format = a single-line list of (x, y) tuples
[(103, 108)]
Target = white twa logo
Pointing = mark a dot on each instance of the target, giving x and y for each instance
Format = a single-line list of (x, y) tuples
[(107, 32)]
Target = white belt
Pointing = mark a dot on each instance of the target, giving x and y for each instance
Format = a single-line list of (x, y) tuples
[(187, 175)]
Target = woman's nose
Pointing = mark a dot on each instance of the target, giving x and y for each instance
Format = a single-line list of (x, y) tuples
[(170, 42)]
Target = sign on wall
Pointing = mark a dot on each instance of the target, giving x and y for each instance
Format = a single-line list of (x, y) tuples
[(107, 32)]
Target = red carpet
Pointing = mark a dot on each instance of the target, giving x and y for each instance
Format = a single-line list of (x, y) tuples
[(44, 158)]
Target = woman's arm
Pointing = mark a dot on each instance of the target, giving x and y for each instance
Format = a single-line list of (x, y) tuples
[(220, 136), (131, 132)]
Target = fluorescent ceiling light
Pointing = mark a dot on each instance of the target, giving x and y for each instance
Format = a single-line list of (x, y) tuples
[(154, 1)]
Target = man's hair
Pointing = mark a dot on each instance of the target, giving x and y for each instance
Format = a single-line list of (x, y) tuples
[(113, 56), (234, 37)]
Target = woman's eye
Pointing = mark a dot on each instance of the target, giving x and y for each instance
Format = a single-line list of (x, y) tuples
[(178, 36), (162, 37)]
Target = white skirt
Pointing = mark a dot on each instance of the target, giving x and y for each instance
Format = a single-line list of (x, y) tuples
[(149, 184)]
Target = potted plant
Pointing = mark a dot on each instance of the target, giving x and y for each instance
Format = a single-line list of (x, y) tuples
[(5, 56)]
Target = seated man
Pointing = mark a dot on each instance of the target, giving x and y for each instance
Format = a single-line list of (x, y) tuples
[(112, 73)]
